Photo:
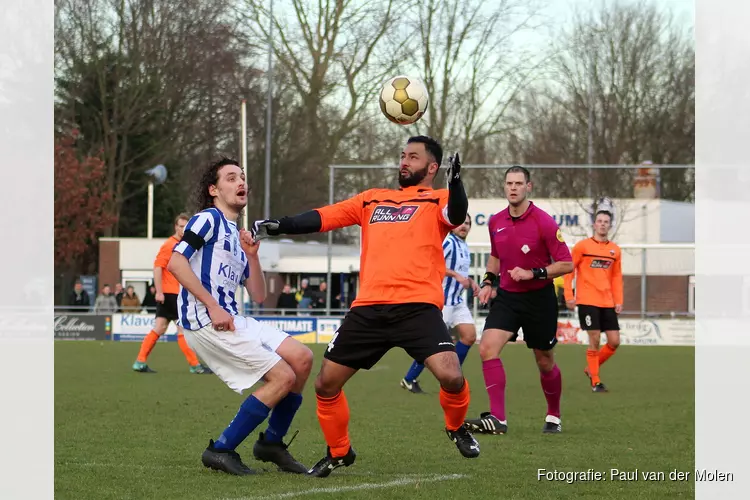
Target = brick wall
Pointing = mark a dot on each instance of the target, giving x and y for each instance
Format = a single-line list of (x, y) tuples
[(663, 293), (109, 263)]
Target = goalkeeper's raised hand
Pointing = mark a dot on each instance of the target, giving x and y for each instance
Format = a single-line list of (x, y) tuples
[(454, 168), (262, 229)]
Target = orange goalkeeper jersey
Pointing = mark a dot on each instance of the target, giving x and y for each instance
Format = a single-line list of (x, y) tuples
[(597, 270), (403, 230)]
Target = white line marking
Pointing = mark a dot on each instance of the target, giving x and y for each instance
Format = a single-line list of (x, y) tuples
[(402, 481)]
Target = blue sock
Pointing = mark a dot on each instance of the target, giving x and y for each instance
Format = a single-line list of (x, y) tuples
[(282, 416), (414, 372), (252, 413), (462, 350)]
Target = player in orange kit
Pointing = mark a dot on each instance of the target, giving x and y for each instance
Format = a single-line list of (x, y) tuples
[(167, 289), (598, 294), (400, 299)]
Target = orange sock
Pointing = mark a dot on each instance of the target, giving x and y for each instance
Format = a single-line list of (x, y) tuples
[(333, 415), (148, 344), (605, 354), (455, 405), (186, 350), (592, 357)]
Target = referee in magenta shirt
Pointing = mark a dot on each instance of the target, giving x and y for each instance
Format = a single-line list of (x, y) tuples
[(528, 252)]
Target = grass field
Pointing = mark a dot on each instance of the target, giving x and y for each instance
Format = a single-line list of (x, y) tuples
[(124, 435)]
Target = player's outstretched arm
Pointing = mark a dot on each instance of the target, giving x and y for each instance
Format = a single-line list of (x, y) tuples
[(458, 203), (342, 214)]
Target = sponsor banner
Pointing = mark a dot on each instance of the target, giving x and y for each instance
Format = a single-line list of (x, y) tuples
[(672, 332), (327, 328), (127, 327), (302, 328), (306, 329), (82, 327)]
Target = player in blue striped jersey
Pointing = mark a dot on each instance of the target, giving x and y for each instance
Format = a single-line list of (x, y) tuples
[(211, 261), (455, 310)]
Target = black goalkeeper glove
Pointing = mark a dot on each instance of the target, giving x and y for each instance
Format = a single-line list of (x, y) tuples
[(454, 168), (262, 229)]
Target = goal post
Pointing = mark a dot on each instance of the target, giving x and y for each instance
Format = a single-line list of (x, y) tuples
[(642, 247)]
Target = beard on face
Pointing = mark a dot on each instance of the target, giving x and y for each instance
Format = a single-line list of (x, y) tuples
[(413, 179)]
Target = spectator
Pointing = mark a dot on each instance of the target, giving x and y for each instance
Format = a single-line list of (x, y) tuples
[(304, 295), (130, 302), (149, 301), (106, 303), (287, 300), (319, 297), (118, 294), (79, 298)]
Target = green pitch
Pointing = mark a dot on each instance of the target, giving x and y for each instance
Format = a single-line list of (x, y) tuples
[(126, 435)]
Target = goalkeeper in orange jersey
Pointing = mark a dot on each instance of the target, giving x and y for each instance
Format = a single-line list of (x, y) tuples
[(598, 294)]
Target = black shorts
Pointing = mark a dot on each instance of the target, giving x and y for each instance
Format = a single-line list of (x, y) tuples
[(168, 309), (368, 332), (598, 318), (535, 312)]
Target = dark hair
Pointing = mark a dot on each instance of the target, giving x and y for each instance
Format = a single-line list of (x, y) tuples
[(432, 146), (605, 212), (210, 177), (183, 216), (518, 168)]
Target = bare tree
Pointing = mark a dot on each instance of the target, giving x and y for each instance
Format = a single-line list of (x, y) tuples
[(328, 54), (131, 75), (473, 70), (627, 72)]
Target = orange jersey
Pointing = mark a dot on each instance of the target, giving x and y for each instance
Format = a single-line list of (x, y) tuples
[(402, 243), (169, 283), (597, 268)]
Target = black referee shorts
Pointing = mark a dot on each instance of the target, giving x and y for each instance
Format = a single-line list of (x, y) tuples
[(368, 332), (535, 312), (168, 309), (594, 318)]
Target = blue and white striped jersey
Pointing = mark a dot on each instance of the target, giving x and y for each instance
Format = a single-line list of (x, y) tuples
[(220, 264), (458, 259)]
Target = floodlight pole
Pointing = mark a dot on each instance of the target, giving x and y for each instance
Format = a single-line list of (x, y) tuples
[(150, 212), (269, 118), (243, 152), (330, 244), (243, 162)]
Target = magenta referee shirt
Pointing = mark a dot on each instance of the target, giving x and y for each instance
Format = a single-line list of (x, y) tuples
[(531, 240)]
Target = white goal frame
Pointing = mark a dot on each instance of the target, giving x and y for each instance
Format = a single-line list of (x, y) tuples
[(331, 200)]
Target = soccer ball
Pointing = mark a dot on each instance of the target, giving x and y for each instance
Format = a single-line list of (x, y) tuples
[(403, 100)]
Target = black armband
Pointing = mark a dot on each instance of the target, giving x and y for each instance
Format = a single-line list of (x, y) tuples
[(458, 203), (540, 273), (491, 277), (304, 223), (192, 239)]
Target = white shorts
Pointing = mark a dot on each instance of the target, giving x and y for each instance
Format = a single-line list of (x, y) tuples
[(457, 315), (239, 358)]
